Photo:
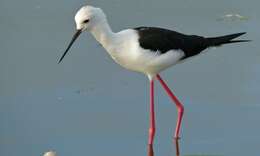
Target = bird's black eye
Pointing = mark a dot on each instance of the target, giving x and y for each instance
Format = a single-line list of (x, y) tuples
[(86, 21)]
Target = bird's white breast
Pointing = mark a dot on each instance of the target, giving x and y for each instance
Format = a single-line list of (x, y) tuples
[(127, 52)]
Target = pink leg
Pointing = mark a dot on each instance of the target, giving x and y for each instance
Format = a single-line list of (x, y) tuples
[(152, 116), (180, 107)]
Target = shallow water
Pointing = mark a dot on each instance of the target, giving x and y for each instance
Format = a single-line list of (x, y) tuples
[(90, 105)]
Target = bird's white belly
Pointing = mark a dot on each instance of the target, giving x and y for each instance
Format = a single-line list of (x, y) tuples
[(130, 55), (127, 52), (145, 61), (129, 61)]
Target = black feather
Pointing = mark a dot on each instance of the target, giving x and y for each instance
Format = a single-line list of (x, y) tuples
[(227, 39), (163, 40)]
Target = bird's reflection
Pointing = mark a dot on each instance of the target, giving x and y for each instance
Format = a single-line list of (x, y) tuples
[(177, 148), (150, 150)]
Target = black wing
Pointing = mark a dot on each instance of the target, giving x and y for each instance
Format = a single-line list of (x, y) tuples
[(163, 40)]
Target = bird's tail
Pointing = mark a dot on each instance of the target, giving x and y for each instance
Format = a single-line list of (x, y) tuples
[(218, 41)]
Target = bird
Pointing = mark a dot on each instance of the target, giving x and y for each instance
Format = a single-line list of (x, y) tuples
[(147, 50)]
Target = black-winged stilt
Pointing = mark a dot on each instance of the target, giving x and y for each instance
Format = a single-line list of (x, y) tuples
[(148, 50)]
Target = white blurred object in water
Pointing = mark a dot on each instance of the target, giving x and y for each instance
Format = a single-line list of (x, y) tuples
[(232, 17), (50, 153)]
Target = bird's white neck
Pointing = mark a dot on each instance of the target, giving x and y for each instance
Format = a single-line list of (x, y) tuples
[(103, 33)]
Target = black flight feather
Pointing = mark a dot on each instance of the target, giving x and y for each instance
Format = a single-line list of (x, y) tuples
[(163, 40)]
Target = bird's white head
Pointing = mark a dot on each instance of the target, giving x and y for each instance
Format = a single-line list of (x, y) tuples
[(88, 17)]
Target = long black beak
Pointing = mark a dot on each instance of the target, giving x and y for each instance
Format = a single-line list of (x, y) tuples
[(75, 36)]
